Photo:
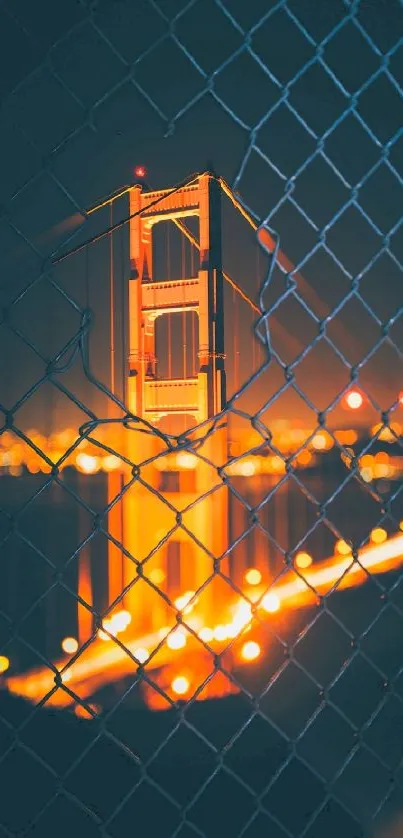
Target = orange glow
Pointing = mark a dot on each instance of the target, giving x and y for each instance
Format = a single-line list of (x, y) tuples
[(206, 634), (378, 535), (180, 685), (120, 621), (271, 603), (250, 651), (303, 560), (82, 713), (220, 633), (346, 437), (176, 640), (87, 464), (322, 441), (115, 625), (141, 655), (157, 576), (342, 547), (182, 602), (101, 664), (382, 457), (354, 400), (111, 463), (253, 576), (246, 468), (186, 460), (304, 457), (4, 664), (70, 645)]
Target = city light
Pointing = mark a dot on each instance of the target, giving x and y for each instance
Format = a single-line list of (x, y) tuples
[(220, 633), (378, 535), (253, 576), (110, 463), (322, 441), (181, 603), (342, 547), (302, 560), (206, 634), (69, 645), (354, 400), (292, 592), (141, 655), (246, 468), (87, 464), (176, 640), (116, 624), (186, 460), (250, 651), (4, 664), (180, 685), (271, 603), (156, 575)]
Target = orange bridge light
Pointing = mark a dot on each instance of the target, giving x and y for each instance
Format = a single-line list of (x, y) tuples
[(250, 651), (354, 400), (4, 664), (180, 685), (69, 645)]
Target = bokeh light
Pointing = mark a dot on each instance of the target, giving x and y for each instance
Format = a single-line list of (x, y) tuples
[(342, 548), (253, 576), (354, 400), (302, 560), (4, 664), (180, 685), (378, 535), (250, 651), (70, 645), (271, 603)]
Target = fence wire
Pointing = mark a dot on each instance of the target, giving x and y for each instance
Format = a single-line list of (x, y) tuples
[(298, 107)]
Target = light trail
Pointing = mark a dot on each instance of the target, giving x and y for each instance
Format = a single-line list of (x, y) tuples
[(99, 664)]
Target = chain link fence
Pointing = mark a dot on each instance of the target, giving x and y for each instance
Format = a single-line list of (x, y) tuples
[(286, 721)]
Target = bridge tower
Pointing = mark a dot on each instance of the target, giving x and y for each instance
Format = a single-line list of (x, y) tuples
[(181, 563)]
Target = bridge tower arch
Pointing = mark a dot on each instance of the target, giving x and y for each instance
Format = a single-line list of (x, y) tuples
[(184, 562)]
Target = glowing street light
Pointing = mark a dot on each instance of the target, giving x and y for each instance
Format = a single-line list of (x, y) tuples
[(378, 535), (253, 576), (354, 400), (180, 685), (4, 664), (176, 640), (141, 654), (342, 548), (70, 645), (250, 651), (302, 560), (271, 603)]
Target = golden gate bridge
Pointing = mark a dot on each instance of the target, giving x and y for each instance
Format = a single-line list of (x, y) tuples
[(174, 597)]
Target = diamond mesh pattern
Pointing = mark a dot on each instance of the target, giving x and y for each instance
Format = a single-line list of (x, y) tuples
[(299, 106)]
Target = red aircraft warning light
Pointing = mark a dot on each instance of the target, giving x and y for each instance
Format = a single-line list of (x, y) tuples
[(140, 171)]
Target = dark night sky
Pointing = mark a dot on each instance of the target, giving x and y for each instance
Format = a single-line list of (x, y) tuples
[(74, 124)]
